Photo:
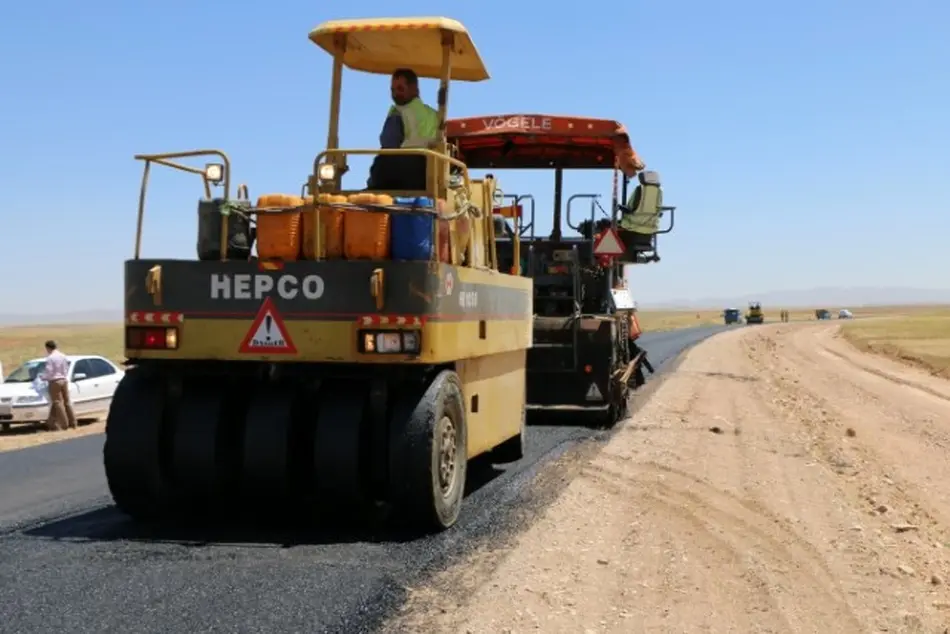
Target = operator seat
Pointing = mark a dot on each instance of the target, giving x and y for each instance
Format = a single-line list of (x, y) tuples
[(640, 219)]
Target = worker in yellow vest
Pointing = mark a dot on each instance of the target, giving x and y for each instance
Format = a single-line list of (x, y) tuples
[(410, 123)]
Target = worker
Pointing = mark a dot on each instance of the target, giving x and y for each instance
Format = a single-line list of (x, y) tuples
[(410, 123), (640, 217), (61, 414)]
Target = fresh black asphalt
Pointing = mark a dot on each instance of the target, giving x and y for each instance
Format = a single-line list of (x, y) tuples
[(69, 562)]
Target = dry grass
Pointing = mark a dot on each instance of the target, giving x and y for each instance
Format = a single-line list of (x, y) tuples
[(919, 336), (18, 344)]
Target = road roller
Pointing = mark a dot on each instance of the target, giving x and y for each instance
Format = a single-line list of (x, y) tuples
[(338, 350)]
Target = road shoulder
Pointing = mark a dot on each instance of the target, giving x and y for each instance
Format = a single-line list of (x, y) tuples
[(744, 496)]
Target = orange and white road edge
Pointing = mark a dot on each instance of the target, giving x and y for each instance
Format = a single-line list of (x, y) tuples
[(778, 481)]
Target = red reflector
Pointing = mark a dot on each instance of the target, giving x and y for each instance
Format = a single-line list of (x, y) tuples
[(154, 338), (151, 338)]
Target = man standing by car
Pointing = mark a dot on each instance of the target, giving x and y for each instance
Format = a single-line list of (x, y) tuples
[(61, 414)]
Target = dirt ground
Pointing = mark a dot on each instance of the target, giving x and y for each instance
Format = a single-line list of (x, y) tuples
[(779, 481), (21, 436)]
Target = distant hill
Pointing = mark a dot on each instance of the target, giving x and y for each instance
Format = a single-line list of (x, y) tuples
[(814, 298), (77, 317)]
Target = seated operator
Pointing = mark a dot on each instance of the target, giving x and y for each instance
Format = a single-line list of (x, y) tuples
[(640, 217), (409, 124)]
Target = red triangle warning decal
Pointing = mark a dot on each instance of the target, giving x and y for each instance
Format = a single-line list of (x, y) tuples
[(268, 334), (608, 243)]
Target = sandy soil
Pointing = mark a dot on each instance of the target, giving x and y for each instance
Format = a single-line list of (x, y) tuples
[(21, 436), (778, 481)]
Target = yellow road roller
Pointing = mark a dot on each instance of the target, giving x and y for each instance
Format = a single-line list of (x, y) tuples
[(347, 349)]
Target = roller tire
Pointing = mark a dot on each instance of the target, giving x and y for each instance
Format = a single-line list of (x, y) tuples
[(132, 454), (414, 456), (196, 456), (336, 446), (266, 469)]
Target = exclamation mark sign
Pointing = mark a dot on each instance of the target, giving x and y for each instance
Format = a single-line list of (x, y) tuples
[(268, 320)]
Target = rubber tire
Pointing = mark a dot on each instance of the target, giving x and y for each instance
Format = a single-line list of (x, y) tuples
[(133, 447), (195, 460), (414, 456), (513, 449), (336, 444), (265, 478)]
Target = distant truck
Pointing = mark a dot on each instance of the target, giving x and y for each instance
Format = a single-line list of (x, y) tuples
[(755, 314), (844, 313), (732, 316), (822, 313)]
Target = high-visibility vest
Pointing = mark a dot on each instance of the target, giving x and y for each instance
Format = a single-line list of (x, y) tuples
[(420, 123), (645, 216)]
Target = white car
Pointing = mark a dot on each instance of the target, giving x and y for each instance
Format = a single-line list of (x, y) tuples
[(92, 382)]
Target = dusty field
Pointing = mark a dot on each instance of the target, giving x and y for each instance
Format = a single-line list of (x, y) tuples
[(19, 344), (779, 481), (921, 339)]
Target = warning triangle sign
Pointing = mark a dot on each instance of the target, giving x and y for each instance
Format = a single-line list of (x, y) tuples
[(268, 334), (608, 243), (593, 393)]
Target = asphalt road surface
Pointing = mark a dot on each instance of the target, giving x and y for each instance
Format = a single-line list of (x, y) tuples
[(70, 562)]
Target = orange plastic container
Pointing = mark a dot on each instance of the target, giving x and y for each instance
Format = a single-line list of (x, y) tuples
[(332, 221), (366, 233), (278, 234), (635, 330)]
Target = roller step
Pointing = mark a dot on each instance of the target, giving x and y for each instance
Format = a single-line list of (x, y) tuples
[(567, 408)]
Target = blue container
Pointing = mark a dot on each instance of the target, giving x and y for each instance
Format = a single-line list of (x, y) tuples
[(411, 232)]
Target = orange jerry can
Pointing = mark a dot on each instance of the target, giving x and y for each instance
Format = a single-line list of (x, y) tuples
[(366, 233), (278, 234), (635, 330)]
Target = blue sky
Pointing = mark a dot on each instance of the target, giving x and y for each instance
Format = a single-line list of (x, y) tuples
[(804, 143)]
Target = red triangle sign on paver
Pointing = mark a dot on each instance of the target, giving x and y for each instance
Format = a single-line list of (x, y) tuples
[(268, 334), (608, 244)]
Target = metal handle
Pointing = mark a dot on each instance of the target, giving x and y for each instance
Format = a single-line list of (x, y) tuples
[(530, 225), (672, 211), (593, 198), (376, 288)]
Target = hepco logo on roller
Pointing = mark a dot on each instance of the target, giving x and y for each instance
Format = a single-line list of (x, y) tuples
[(258, 286)]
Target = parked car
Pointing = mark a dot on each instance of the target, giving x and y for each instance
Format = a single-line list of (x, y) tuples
[(92, 383)]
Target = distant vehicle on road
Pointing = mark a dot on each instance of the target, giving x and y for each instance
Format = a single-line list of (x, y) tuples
[(25, 400), (732, 316), (844, 313), (755, 314), (822, 313)]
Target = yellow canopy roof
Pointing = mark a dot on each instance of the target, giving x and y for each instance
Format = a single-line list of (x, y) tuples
[(382, 45)]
